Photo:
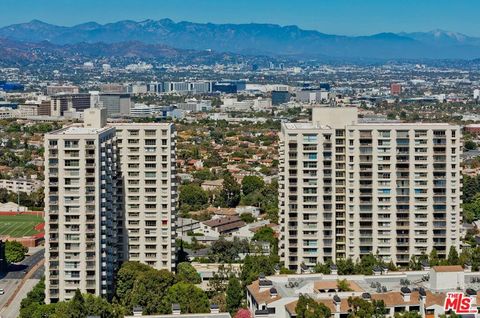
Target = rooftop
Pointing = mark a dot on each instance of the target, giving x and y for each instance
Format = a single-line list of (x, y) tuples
[(306, 126), (79, 130), (447, 269)]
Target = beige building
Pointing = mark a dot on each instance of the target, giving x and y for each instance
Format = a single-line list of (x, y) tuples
[(148, 174), (350, 188), (277, 296), (81, 211), (110, 195), (59, 89), (20, 185)]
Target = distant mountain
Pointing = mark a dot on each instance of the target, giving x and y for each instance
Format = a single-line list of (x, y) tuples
[(21, 52), (443, 38), (254, 39)]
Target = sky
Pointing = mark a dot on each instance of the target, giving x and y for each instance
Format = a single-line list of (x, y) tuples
[(346, 17)]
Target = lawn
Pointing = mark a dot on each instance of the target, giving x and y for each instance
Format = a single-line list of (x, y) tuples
[(19, 225)]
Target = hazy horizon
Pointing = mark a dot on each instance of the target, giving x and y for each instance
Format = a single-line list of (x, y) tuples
[(341, 17)]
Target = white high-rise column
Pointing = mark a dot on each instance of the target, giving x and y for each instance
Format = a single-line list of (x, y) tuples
[(80, 211), (110, 196), (349, 188), (148, 177)]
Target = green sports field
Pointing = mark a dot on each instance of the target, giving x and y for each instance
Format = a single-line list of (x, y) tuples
[(19, 225)]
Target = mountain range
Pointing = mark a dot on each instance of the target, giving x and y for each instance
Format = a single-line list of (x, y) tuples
[(17, 53), (252, 39)]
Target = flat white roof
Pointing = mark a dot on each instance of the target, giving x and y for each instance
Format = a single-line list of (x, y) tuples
[(78, 130), (384, 125), (305, 126), (137, 124)]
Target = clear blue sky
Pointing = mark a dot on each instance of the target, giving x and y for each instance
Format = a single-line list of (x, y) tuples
[(350, 17)]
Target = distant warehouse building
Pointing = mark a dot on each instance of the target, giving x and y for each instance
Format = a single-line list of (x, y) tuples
[(116, 103), (65, 102), (11, 87), (58, 89), (280, 97), (227, 88), (20, 185), (395, 89), (312, 95), (473, 128)]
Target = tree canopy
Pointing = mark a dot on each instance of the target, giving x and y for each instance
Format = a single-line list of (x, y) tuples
[(79, 306), (15, 252), (230, 194), (188, 274), (361, 308), (267, 234), (234, 295), (192, 197), (190, 298), (309, 308), (254, 265), (251, 184)]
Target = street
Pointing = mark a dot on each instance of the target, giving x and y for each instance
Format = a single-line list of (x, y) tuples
[(14, 277)]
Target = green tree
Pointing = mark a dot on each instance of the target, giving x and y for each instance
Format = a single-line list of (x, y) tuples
[(433, 258), (230, 194), (251, 184), (213, 160), (37, 199), (471, 209), (190, 298), (309, 308), (36, 310), (361, 308), (254, 265), (343, 285), (76, 306), (345, 266), (125, 281), (192, 197), (98, 306), (415, 263), (204, 174), (35, 296), (286, 271), (453, 258), (234, 295), (149, 290), (188, 274), (3, 195), (219, 300), (366, 264), (470, 145), (247, 217), (223, 251), (323, 268), (267, 234), (470, 188), (217, 285), (15, 252), (391, 116)]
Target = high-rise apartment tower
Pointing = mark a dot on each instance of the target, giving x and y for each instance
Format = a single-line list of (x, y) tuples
[(350, 187), (110, 196)]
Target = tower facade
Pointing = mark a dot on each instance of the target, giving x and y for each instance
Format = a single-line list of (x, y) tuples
[(350, 188)]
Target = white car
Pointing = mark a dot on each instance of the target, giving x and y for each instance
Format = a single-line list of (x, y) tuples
[(2, 291)]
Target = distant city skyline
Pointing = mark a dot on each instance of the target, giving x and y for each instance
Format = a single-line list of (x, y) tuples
[(343, 17)]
